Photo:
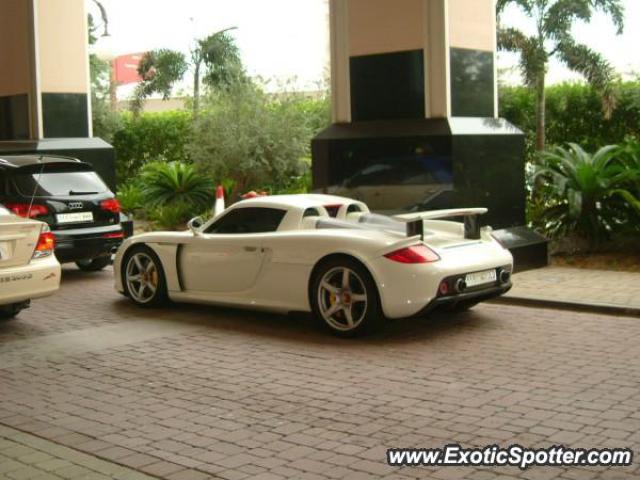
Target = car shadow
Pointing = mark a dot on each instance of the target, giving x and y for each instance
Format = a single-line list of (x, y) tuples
[(302, 327), (72, 274)]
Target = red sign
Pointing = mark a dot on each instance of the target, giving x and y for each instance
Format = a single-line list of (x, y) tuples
[(126, 68)]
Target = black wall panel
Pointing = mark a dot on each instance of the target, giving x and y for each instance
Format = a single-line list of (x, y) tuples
[(387, 86), (65, 115), (14, 117), (472, 93)]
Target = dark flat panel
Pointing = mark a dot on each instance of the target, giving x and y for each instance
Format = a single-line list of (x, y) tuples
[(529, 248), (65, 115), (472, 85), (14, 117), (388, 85), (489, 172)]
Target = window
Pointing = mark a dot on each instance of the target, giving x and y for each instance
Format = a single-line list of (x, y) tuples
[(55, 184), (311, 212), (353, 208), (248, 220)]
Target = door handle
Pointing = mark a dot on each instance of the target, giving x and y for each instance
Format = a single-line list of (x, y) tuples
[(250, 249)]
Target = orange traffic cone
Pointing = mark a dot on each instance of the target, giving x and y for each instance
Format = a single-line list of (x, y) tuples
[(219, 206)]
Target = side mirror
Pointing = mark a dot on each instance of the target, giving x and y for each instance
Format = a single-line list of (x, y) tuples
[(195, 224)]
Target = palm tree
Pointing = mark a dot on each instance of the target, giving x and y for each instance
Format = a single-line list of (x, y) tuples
[(159, 69), (221, 57), (553, 21)]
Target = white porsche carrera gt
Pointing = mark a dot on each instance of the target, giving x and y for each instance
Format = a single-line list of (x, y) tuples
[(319, 253)]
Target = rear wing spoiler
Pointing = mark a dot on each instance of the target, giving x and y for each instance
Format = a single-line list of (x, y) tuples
[(415, 221)]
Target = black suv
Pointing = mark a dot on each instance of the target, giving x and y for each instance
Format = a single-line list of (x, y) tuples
[(68, 194)]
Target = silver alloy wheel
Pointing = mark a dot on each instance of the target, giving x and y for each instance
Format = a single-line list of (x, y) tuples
[(342, 298), (142, 277)]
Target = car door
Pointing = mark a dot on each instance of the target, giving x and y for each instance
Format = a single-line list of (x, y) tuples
[(228, 256)]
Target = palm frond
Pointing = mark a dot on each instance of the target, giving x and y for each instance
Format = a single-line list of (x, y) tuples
[(525, 5), (593, 67), (533, 57), (560, 16), (614, 8)]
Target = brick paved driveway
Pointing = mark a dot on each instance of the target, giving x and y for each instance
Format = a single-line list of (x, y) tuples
[(194, 392)]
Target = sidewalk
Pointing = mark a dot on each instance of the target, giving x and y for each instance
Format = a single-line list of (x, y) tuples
[(577, 288)]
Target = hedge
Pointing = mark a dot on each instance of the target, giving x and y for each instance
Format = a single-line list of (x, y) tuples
[(575, 114), (150, 136)]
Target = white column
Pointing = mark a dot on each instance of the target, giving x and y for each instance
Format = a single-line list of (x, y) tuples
[(436, 62), (340, 78), (35, 97)]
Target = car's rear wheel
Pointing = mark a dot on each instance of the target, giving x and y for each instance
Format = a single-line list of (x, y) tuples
[(94, 265), (7, 312), (143, 277), (345, 298)]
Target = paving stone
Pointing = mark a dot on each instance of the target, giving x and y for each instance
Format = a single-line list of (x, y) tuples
[(195, 392)]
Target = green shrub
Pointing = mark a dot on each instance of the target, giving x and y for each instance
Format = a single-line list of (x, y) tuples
[(171, 217), (251, 138), (590, 195), (130, 197), (574, 113), (149, 136), (176, 184)]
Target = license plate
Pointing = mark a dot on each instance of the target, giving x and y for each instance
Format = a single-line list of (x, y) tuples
[(74, 217), (480, 278)]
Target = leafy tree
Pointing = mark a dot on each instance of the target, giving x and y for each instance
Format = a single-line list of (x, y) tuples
[(105, 119), (220, 56), (553, 20), (160, 70), (250, 138)]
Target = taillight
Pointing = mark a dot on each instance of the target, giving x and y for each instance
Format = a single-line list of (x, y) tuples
[(111, 205), (413, 254), (26, 210), (46, 243), (113, 235), (333, 210)]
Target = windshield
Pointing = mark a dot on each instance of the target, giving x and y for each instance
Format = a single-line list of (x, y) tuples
[(56, 184)]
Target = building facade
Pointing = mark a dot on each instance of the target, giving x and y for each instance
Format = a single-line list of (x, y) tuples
[(415, 115), (45, 96)]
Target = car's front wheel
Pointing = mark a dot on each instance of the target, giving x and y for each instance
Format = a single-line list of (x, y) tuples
[(143, 277), (344, 296), (94, 264)]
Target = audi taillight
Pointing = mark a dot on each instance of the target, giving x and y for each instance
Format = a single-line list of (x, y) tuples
[(27, 210), (111, 205), (413, 254), (46, 243)]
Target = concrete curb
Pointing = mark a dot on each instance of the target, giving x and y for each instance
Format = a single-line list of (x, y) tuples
[(565, 305)]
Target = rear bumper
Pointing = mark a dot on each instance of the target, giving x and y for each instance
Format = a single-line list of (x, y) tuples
[(39, 278), (474, 296), (86, 243), (407, 290)]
